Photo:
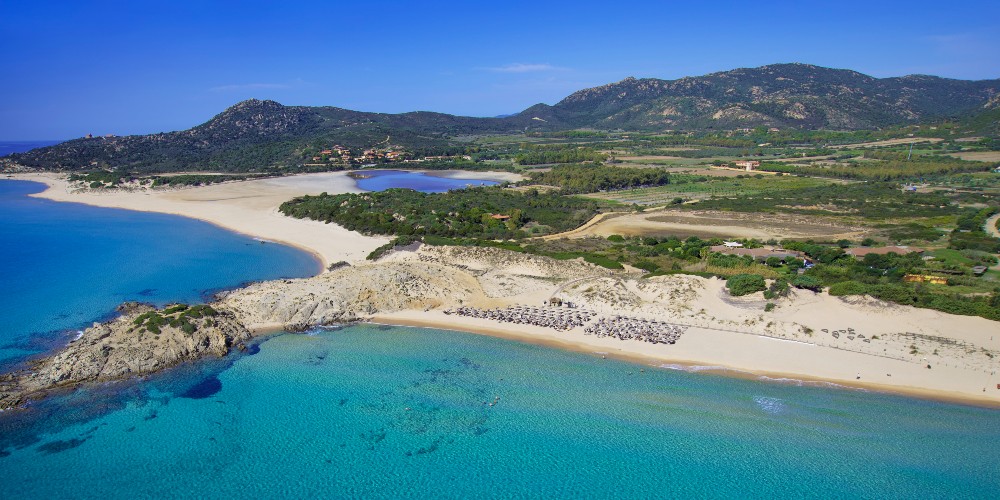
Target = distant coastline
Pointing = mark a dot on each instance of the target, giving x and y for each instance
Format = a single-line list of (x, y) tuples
[(8, 147)]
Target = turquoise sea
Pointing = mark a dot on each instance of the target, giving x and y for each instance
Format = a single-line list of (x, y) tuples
[(65, 265), (387, 412)]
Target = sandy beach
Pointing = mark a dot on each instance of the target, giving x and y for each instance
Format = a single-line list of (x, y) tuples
[(861, 342), (857, 342), (733, 354), (249, 207)]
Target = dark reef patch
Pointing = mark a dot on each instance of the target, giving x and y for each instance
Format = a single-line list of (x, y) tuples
[(61, 445), (208, 387)]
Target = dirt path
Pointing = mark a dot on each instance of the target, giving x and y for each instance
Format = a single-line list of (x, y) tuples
[(991, 226), (707, 224), (889, 142), (584, 229)]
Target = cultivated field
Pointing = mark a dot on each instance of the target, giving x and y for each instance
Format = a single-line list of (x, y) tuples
[(987, 156), (688, 187), (713, 224), (889, 142)]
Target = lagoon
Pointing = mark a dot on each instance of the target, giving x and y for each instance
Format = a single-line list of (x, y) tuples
[(427, 182)]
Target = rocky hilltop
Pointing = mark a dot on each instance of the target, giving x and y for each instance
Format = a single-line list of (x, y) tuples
[(778, 95), (259, 135)]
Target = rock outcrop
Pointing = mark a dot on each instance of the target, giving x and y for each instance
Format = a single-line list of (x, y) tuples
[(121, 349)]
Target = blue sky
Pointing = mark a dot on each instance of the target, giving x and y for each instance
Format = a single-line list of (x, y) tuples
[(132, 67)]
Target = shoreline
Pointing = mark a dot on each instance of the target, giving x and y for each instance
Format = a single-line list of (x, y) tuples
[(248, 207), (679, 363), (732, 340)]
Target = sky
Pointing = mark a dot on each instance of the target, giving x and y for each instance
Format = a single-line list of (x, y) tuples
[(144, 66)]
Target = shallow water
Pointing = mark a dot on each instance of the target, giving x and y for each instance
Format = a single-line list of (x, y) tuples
[(373, 411), (65, 265), (378, 180)]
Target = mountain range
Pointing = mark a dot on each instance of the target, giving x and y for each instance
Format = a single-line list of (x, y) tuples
[(256, 134)]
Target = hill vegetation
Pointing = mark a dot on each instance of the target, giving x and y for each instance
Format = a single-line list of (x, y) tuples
[(258, 136), (484, 212), (593, 178)]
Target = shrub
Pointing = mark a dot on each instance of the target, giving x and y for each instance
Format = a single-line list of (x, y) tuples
[(743, 284), (646, 265), (778, 288), (602, 261), (769, 307), (848, 288), (807, 282)]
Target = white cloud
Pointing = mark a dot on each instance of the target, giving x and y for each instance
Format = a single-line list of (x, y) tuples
[(524, 68)]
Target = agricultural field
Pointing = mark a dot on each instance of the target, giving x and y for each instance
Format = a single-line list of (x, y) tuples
[(694, 187), (714, 224), (987, 156)]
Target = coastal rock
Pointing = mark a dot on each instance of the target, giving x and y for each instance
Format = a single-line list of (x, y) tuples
[(135, 308), (350, 294), (119, 349)]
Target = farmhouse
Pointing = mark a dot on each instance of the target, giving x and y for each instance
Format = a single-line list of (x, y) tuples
[(749, 165)]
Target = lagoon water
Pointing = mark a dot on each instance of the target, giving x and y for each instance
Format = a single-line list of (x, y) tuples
[(388, 412), (65, 265), (378, 180)]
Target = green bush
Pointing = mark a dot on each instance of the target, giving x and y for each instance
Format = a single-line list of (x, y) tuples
[(602, 261), (646, 265), (778, 288), (848, 288), (807, 282), (743, 284), (400, 241)]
